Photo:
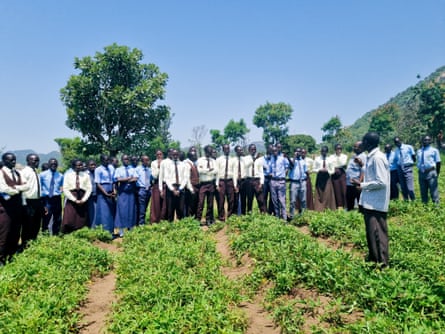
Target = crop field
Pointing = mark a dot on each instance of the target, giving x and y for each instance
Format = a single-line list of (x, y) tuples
[(308, 276)]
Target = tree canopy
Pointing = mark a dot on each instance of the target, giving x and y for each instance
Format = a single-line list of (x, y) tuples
[(273, 118), (112, 102)]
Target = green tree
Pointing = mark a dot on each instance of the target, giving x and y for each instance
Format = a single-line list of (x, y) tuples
[(383, 120), (273, 118), (71, 149), (112, 102), (290, 143), (235, 132), (330, 129), (432, 106), (218, 139)]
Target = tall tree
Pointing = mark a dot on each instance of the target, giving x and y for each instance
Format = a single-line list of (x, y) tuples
[(273, 118), (235, 132), (432, 106), (112, 102), (290, 143), (218, 139), (382, 122), (330, 129)]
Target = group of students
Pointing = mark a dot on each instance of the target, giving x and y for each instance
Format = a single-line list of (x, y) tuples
[(183, 185)]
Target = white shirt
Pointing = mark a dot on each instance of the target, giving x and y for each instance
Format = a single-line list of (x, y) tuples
[(318, 164), (376, 183), (206, 174), (30, 177), (170, 175), (69, 183)]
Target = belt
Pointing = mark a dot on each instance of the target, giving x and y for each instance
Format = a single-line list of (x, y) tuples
[(297, 181), (229, 179), (207, 182), (429, 169), (278, 179)]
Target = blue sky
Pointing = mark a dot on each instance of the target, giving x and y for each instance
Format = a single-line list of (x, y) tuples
[(224, 58)]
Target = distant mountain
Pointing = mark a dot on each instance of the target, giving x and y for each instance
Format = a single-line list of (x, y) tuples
[(21, 156)]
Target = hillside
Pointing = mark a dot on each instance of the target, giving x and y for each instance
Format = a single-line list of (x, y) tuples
[(404, 101)]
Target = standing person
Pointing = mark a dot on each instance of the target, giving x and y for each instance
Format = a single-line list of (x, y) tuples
[(162, 186), (92, 200), (309, 164), (175, 178), (374, 200), (428, 164), (324, 197), (390, 156), (11, 209), (255, 180), (354, 175), (207, 178), (240, 203), (156, 199), (34, 209), (267, 176), (51, 192), (297, 176), (77, 189), (279, 166), (125, 177), (192, 189), (225, 166), (339, 161), (405, 157), (143, 184), (106, 194)]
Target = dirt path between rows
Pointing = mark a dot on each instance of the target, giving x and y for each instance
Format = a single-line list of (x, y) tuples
[(259, 320), (100, 297)]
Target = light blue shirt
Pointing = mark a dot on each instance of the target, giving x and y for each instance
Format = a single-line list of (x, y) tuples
[(104, 175), (123, 172), (144, 176), (391, 157), (298, 173), (404, 155), (278, 166), (45, 183), (353, 170), (427, 157)]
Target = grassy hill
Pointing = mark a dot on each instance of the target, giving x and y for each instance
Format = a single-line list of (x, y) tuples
[(407, 106)]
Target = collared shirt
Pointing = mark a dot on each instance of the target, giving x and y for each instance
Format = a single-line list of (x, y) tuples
[(124, 172), (278, 166), (155, 168), (30, 177), (206, 174), (318, 164), (144, 176), (376, 184), (69, 183), (5, 189), (93, 184), (104, 175), (193, 179), (298, 173), (339, 161), (354, 171), (391, 157), (161, 175), (404, 155), (309, 163), (266, 164), (221, 162), (427, 157), (45, 182), (170, 175), (240, 168), (258, 170)]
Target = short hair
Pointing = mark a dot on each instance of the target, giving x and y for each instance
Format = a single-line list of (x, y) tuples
[(372, 138)]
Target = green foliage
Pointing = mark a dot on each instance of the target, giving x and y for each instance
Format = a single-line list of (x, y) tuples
[(41, 290), (112, 101), (170, 282), (414, 112), (382, 122), (273, 118), (234, 134), (72, 148), (330, 129), (290, 143)]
